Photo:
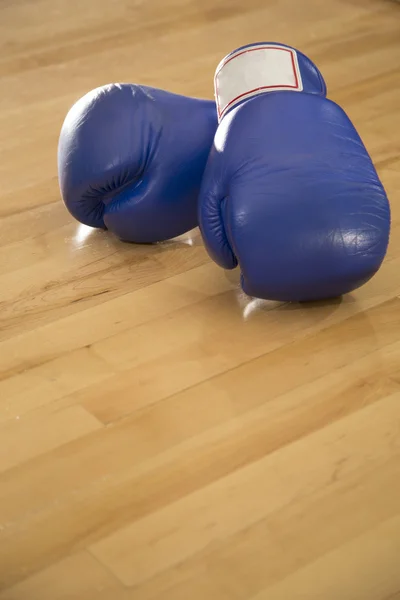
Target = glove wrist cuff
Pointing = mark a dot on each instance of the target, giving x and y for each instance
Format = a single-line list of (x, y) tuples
[(255, 70), (261, 68)]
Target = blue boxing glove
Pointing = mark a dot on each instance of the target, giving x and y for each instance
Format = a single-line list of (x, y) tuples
[(289, 192), (131, 159)]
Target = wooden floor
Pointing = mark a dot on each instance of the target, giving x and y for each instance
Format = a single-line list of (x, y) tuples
[(162, 436)]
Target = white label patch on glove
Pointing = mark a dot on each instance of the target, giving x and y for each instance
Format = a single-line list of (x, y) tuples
[(255, 70)]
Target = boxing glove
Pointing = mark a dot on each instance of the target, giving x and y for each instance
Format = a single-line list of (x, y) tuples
[(131, 158), (289, 192)]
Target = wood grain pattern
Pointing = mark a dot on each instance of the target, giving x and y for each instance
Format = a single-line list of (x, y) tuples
[(162, 436)]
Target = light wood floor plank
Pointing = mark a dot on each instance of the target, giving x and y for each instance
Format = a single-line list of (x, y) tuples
[(78, 576), (367, 568)]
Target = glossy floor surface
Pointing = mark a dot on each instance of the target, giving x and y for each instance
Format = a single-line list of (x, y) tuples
[(162, 436)]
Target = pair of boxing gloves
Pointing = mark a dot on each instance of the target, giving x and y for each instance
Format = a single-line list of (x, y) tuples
[(274, 174)]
